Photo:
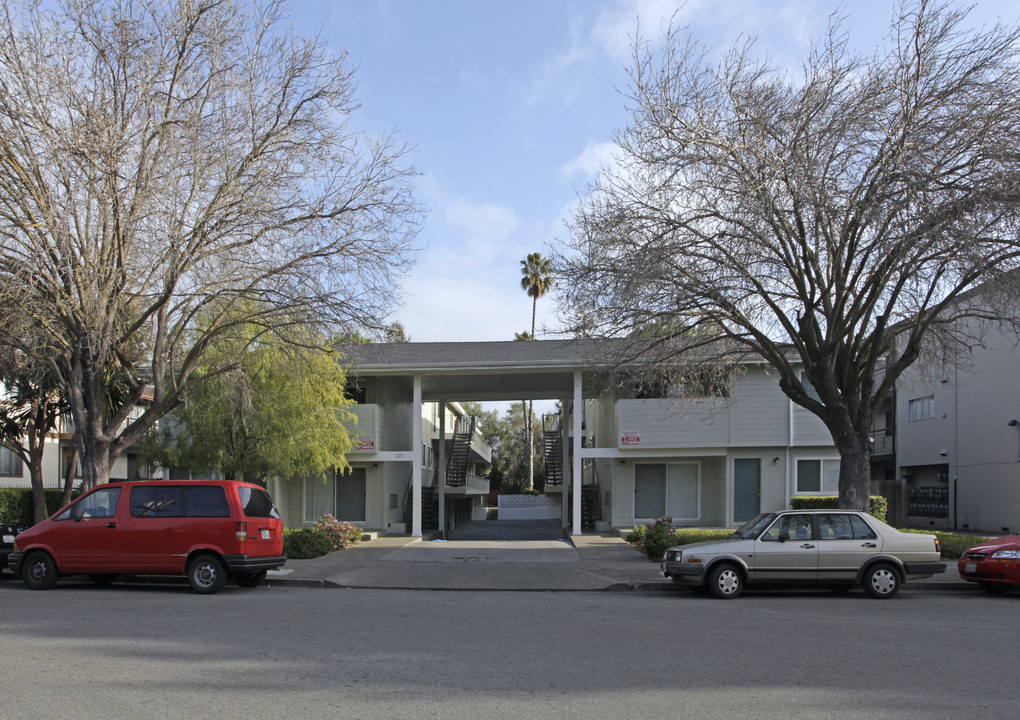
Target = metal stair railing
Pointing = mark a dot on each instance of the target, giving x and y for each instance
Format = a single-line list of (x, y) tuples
[(552, 441), (460, 452)]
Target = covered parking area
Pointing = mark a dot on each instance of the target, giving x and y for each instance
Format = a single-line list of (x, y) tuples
[(404, 376)]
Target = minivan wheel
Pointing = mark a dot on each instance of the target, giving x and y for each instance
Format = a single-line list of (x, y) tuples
[(881, 581), (725, 582), (250, 580), (206, 574), (40, 572)]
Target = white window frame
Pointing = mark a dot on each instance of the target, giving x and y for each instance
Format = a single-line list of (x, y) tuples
[(823, 489), (922, 408)]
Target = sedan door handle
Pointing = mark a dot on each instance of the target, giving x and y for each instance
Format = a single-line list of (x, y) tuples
[(869, 545), (807, 546)]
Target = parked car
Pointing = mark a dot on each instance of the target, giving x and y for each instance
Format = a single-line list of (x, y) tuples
[(206, 530), (835, 548), (8, 531), (993, 564)]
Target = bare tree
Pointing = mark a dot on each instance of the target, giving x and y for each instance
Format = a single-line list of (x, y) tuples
[(161, 161), (828, 224)]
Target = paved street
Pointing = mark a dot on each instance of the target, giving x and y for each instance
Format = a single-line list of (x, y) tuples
[(151, 651)]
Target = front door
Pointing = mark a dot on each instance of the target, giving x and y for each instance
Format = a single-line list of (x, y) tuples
[(86, 534), (787, 550), (746, 489), (350, 496)]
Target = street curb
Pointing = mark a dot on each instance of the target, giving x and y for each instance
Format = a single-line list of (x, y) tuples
[(612, 587)]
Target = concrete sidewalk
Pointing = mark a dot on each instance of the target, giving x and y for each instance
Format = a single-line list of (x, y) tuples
[(589, 562)]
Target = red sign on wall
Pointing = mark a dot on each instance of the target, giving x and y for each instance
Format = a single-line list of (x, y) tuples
[(630, 438), (365, 442)]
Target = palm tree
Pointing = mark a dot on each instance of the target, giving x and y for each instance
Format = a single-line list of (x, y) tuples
[(536, 280)]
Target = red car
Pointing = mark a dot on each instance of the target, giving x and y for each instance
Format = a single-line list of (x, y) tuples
[(207, 530), (994, 564)]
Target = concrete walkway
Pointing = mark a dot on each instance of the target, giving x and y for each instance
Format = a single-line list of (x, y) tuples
[(589, 562)]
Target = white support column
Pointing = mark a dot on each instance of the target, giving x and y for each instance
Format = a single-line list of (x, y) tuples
[(575, 474), (416, 458), (442, 468), (568, 408)]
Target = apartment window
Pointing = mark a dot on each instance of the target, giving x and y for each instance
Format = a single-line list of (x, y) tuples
[(817, 476), (10, 463), (922, 408)]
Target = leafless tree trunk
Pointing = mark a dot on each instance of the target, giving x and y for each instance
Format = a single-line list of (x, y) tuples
[(829, 224), (169, 173)]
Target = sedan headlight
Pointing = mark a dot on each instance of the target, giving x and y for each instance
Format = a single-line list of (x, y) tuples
[(1006, 555), (673, 555)]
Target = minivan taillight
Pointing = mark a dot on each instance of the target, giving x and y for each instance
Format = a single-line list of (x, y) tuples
[(241, 533)]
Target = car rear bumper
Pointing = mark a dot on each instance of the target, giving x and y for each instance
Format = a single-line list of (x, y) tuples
[(14, 562), (247, 563), (916, 570)]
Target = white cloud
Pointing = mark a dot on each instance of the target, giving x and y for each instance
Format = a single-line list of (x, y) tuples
[(594, 157)]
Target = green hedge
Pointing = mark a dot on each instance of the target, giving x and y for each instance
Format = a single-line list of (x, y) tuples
[(879, 505), (16, 504), (306, 543), (952, 544)]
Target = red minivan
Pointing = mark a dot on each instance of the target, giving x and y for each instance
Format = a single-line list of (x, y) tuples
[(207, 530)]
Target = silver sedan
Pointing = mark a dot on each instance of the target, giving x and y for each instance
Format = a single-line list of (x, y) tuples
[(835, 548)]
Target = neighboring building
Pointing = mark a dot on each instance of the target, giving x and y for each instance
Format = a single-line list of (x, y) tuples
[(958, 439), (56, 457), (703, 461)]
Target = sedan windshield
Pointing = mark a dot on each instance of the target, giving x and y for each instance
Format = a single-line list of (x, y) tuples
[(754, 526)]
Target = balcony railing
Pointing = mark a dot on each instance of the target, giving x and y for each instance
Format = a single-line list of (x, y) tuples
[(883, 443)]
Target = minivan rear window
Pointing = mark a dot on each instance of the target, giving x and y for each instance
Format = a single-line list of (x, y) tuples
[(257, 503), (179, 501)]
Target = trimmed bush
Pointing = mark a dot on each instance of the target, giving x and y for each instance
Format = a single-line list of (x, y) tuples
[(879, 505), (306, 543), (952, 544), (16, 504)]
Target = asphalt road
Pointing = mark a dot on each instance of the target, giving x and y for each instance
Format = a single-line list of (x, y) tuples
[(286, 652)]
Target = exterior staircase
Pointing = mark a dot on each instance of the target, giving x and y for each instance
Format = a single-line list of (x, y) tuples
[(429, 507), (460, 452), (552, 440)]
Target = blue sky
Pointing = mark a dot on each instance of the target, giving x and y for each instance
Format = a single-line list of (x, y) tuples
[(511, 106)]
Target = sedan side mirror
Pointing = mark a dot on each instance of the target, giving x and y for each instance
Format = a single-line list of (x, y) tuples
[(784, 536)]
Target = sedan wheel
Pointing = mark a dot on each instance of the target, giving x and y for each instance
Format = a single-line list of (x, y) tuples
[(881, 581), (725, 582)]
